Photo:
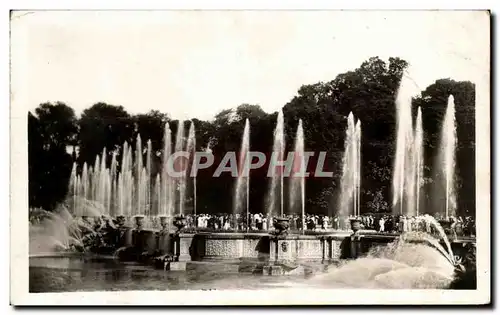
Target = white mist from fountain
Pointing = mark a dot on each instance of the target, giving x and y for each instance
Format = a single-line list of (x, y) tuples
[(242, 188), (297, 190), (351, 168), (447, 157), (59, 230), (277, 177), (416, 260)]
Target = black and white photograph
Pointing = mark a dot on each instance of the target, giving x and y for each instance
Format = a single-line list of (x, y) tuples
[(250, 153)]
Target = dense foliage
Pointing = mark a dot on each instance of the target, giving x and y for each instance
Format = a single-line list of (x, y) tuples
[(368, 91)]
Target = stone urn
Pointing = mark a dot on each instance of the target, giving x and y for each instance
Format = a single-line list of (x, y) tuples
[(355, 225), (281, 224), (139, 222), (179, 222), (163, 222)]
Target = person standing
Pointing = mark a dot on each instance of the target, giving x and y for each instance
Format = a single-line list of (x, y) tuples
[(381, 223)]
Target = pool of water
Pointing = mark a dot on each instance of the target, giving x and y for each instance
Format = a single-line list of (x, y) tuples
[(412, 266), (69, 274)]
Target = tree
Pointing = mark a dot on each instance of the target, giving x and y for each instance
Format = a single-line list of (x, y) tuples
[(49, 133), (103, 126), (57, 125), (369, 92)]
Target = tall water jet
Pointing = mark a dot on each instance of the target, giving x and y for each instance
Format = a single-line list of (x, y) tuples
[(357, 167), (114, 185), (180, 181), (277, 179), (138, 183), (418, 159), (191, 150), (85, 182), (448, 159), (404, 143), (242, 187), (156, 196), (297, 190), (73, 187), (351, 168), (167, 193), (148, 178)]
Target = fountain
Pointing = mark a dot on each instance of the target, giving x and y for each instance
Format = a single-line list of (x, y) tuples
[(180, 182), (447, 157), (401, 180), (297, 190), (191, 150), (134, 190), (166, 191), (276, 189), (242, 188), (418, 160), (408, 164), (351, 168), (131, 190)]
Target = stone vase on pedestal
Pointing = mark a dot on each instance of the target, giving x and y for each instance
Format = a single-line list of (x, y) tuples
[(139, 222), (120, 221), (355, 239), (179, 222), (163, 222), (281, 224), (355, 225), (164, 239)]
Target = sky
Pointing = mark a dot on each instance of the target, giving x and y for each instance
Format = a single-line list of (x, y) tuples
[(196, 63)]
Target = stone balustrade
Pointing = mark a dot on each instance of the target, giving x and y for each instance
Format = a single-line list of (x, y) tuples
[(257, 249)]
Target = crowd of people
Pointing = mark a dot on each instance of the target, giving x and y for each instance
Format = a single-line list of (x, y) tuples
[(458, 226), (258, 222)]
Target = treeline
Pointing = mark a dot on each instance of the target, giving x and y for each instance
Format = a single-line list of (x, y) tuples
[(368, 91)]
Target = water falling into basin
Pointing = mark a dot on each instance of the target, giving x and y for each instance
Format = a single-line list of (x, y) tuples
[(274, 204), (242, 188)]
